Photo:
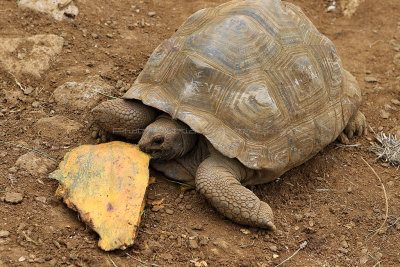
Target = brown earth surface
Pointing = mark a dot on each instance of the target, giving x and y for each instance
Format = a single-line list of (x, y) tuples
[(333, 201)]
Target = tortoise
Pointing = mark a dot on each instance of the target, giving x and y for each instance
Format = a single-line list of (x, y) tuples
[(240, 94)]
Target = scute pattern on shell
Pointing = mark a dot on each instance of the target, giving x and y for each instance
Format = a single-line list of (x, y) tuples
[(256, 78)]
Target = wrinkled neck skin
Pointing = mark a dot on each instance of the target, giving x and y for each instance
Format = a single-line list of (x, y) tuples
[(166, 139)]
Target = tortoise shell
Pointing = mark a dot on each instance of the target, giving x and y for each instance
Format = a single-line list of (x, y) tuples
[(256, 78)]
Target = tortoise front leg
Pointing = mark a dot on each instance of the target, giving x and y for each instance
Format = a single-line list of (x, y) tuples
[(127, 118), (218, 179), (357, 125)]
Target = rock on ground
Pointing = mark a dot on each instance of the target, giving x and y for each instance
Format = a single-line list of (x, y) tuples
[(79, 96), (349, 7), (29, 55), (4, 233), (57, 128), (59, 9), (13, 198), (35, 164)]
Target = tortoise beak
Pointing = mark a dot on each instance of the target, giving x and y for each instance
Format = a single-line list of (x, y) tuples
[(155, 153)]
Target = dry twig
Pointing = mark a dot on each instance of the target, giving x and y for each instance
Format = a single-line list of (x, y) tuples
[(386, 200), (113, 263), (374, 43), (143, 262), (302, 246), (18, 83), (249, 245)]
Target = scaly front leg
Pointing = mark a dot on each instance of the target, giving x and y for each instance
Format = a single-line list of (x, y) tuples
[(218, 179), (127, 118)]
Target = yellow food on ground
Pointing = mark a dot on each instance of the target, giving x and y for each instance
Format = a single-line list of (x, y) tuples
[(106, 184)]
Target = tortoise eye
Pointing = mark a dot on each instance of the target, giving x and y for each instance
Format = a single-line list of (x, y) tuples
[(157, 141)]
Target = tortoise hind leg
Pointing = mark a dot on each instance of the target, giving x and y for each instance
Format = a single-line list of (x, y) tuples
[(126, 118), (218, 179), (357, 126)]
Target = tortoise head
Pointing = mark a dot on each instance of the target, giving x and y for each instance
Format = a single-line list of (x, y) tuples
[(167, 138)]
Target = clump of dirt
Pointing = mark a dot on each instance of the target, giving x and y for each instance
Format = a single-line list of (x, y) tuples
[(333, 201)]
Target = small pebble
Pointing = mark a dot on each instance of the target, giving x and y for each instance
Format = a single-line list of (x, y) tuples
[(28, 90), (119, 84), (21, 259), (395, 102), (298, 217), (95, 36), (273, 248), (188, 207), (370, 79), (95, 134), (109, 35), (41, 199), (169, 211), (245, 231), (4, 233), (55, 242), (35, 104), (40, 260), (197, 226), (13, 198), (151, 13), (193, 243), (384, 114), (344, 244), (204, 241), (331, 9), (221, 243), (389, 107), (349, 190), (378, 88)]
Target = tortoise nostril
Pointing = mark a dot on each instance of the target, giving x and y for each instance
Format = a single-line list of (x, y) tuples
[(158, 141)]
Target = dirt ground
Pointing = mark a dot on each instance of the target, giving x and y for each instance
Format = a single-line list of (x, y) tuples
[(333, 201)]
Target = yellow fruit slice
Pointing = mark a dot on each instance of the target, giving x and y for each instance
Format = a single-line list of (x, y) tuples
[(106, 185)]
